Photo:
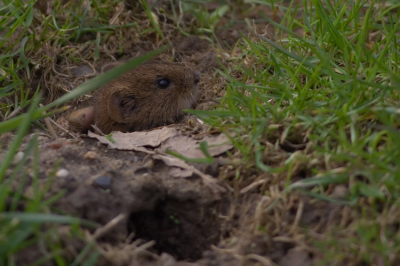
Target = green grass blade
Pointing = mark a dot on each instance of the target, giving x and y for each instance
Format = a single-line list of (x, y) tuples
[(40, 218), (23, 128)]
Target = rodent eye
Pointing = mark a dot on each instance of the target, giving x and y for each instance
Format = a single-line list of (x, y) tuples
[(163, 83)]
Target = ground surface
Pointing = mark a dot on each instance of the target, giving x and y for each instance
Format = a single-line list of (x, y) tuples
[(152, 212)]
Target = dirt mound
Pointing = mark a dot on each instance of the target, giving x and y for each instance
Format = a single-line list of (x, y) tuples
[(180, 214)]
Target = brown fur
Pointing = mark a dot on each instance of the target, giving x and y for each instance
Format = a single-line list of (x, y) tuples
[(135, 102)]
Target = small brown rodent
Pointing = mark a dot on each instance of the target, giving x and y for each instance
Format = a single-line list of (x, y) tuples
[(151, 95)]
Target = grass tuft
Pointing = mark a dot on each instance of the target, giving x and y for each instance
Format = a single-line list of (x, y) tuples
[(333, 94)]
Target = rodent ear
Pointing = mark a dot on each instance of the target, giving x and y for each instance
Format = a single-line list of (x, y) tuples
[(119, 107), (114, 107)]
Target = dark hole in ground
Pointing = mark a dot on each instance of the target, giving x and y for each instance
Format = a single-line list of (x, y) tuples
[(183, 229)]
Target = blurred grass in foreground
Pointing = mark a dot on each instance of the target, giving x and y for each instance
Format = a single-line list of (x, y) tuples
[(29, 220)]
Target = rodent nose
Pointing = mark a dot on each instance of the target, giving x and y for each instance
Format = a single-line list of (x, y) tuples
[(196, 76)]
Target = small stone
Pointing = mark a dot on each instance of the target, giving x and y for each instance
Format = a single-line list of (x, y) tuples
[(296, 257), (18, 157), (134, 159), (149, 164), (62, 173), (166, 260), (90, 155), (103, 181), (340, 192)]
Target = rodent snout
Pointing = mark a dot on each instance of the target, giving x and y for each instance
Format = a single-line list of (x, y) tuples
[(196, 76)]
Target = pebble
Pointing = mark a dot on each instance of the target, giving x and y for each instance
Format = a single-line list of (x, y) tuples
[(90, 155), (134, 159), (103, 181), (62, 173), (18, 157), (149, 164), (340, 192)]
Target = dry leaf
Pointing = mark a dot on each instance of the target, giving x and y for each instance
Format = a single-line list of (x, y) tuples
[(168, 138), (137, 140), (189, 147)]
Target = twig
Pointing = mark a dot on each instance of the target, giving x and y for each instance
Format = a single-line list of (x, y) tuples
[(98, 130), (61, 128), (111, 224), (298, 216), (262, 260), (14, 113), (50, 128), (252, 185)]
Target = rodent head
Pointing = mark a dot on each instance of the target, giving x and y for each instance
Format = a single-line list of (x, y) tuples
[(151, 95)]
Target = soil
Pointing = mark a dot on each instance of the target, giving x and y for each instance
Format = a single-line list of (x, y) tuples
[(190, 222), (165, 220)]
